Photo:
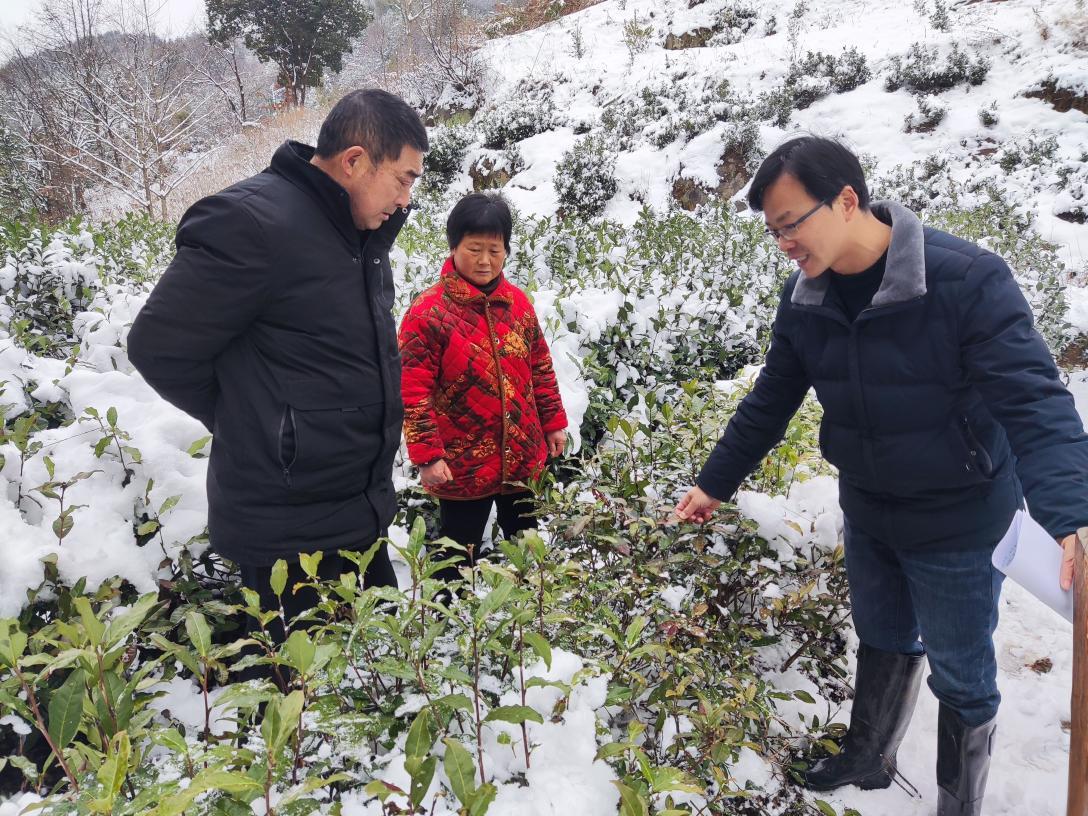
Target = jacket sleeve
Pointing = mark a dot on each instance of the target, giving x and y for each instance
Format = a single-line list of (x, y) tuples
[(421, 351), (762, 416), (1008, 362), (212, 291), (549, 402)]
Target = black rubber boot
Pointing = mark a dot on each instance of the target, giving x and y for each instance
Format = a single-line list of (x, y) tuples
[(963, 763), (885, 691)]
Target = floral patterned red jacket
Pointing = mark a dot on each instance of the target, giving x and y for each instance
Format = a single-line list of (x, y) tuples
[(478, 386)]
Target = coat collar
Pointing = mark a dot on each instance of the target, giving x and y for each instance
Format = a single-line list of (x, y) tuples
[(461, 291), (292, 161), (905, 273)]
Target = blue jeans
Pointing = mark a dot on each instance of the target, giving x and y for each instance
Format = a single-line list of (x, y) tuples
[(935, 602)]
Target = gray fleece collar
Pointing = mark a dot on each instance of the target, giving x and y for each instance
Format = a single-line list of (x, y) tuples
[(905, 274)]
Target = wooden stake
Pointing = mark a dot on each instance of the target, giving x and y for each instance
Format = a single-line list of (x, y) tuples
[(1078, 738)]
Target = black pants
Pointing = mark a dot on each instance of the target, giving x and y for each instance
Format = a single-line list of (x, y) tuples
[(464, 522), (332, 566)]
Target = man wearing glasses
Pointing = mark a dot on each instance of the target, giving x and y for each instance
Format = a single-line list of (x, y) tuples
[(273, 327), (943, 409)]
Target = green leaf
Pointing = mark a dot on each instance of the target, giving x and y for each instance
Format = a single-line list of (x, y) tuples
[(665, 780), (455, 674), (29, 769), (125, 623), (62, 525), (454, 701), (541, 647), (147, 528), (631, 803), (278, 579), (111, 416), (825, 808), (830, 746), (803, 696), (515, 714), (113, 771), (495, 598), (12, 642), (50, 468), (634, 630), (309, 785), (309, 562), (198, 446), (171, 738), (66, 709), (91, 624), (482, 799), (380, 789), (231, 782), (196, 627), (300, 651), (362, 560), (421, 772), (421, 735), (101, 445), (288, 709), (611, 749), (237, 695), (169, 505), (460, 770)]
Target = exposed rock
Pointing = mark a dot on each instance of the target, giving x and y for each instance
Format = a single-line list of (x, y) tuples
[(1077, 216), (1061, 99), (733, 174), (1075, 354), (696, 38), (449, 116), (488, 174)]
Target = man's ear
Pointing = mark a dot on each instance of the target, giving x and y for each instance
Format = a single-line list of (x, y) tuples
[(849, 202), (354, 161)]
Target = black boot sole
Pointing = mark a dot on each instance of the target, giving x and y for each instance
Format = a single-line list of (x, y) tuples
[(877, 780)]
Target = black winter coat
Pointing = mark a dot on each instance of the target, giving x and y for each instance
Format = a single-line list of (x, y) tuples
[(273, 327), (942, 404)]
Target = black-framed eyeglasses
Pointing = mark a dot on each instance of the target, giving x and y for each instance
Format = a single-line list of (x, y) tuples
[(789, 231)]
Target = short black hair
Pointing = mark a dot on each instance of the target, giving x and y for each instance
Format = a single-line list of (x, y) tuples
[(377, 121), (480, 214), (823, 166)]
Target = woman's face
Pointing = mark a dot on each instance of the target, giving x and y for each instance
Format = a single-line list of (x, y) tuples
[(479, 258)]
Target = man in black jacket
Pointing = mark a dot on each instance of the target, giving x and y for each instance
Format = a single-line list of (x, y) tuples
[(943, 409), (272, 326)]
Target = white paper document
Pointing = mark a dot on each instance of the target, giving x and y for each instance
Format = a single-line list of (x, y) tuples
[(1032, 558)]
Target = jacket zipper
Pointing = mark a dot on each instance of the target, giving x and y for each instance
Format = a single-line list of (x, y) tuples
[(289, 413), (979, 455), (502, 390), (858, 394)]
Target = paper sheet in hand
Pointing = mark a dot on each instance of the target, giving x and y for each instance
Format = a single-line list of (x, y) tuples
[(1031, 557)]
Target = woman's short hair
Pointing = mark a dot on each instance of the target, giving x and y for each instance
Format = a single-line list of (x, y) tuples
[(480, 214), (823, 166)]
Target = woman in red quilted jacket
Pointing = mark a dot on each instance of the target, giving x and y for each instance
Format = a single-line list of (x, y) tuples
[(482, 410)]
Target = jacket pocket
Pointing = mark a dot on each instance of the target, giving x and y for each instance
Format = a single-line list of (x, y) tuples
[(978, 456), (329, 441)]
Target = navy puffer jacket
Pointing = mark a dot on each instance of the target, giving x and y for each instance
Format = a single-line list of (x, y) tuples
[(942, 405)]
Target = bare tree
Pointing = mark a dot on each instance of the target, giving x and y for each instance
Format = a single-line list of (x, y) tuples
[(240, 81), (436, 42), (97, 92)]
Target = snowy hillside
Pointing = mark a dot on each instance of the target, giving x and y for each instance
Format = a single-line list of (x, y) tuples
[(621, 60)]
